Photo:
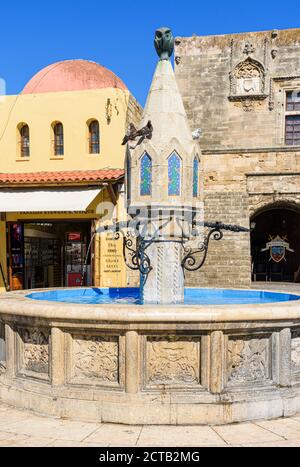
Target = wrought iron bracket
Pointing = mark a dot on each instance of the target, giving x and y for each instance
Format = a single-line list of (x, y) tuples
[(191, 261), (136, 258)]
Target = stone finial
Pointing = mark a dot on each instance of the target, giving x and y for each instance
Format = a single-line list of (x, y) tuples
[(164, 43), (249, 49)]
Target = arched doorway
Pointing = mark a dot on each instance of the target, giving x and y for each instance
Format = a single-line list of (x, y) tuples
[(275, 243)]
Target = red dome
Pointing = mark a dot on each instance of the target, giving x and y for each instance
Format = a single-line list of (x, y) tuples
[(72, 75)]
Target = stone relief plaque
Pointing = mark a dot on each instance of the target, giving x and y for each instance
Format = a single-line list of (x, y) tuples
[(248, 78), (247, 81), (248, 360), (295, 352), (173, 361), (34, 350), (95, 359)]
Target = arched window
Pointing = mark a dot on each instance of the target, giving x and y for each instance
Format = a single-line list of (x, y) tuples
[(196, 177), (24, 141), (174, 168), (58, 131), (94, 137), (146, 175)]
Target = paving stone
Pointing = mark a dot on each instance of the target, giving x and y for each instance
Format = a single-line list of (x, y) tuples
[(179, 436), (245, 433), (11, 416), (285, 427), (114, 434), (52, 428)]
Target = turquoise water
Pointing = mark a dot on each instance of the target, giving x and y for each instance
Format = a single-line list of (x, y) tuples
[(95, 296)]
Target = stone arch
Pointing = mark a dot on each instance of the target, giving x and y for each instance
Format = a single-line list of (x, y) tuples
[(273, 222), (265, 203)]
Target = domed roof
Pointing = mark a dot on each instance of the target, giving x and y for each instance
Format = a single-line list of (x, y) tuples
[(72, 75)]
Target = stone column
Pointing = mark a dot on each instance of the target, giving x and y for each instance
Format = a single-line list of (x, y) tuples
[(283, 357), (132, 362), (217, 362), (165, 283), (57, 357), (10, 349)]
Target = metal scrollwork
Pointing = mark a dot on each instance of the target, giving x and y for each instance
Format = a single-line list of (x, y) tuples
[(135, 259), (191, 261)]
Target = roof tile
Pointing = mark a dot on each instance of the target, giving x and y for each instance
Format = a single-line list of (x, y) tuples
[(65, 176)]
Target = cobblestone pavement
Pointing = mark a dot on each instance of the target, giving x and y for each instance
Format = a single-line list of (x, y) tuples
[(22, 428)]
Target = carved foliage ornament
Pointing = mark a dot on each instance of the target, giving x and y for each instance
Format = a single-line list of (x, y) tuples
[(247, 360), (36, 350), (173, 360), (96, 358)]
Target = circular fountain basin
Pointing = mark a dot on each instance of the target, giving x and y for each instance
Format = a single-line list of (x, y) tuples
[(98, 355), (193, 296)]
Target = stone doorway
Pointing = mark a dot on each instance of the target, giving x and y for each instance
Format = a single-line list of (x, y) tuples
[(275, 243)]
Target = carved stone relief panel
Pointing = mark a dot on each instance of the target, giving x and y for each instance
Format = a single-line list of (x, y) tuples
[(34, 350), (95, 359), (295, 352), (248, 360), (172, 361), (247, 80)]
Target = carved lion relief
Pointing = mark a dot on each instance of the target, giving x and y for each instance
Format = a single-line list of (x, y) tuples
[(248, 360), (96, 358), (35, 350), (173, 360)]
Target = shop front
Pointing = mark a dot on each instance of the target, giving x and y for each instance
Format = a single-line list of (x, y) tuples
[(48, 236), (48, 230), (49, 253)]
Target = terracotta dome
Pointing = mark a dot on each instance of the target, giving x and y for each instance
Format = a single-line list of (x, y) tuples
[(72, 75)]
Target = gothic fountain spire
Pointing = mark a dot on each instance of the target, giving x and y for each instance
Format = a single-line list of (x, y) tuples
[(163, 168)]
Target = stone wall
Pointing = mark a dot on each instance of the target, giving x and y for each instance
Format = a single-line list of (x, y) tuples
[(230, 117), (234, 88), (228, 262)]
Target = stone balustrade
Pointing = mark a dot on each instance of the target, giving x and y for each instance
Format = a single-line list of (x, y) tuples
[(149, 365)]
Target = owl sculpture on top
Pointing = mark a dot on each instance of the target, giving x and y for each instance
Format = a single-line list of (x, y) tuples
[(164, 43)]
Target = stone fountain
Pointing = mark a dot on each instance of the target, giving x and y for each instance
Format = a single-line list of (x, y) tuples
[(94, 354)]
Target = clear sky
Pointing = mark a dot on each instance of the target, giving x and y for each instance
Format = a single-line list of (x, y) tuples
[(119, 34)]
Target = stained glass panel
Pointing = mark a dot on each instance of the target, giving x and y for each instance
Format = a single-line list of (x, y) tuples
[(146, 175), (174, 175), (195, 177)]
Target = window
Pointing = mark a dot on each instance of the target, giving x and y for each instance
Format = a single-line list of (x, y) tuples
[(24, 141), (94, 137), (292, 100), (146, 175), (196, 177), (174, 168), (58, 130), (292, 118)]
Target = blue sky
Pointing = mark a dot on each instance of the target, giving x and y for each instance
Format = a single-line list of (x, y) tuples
[(119, 34)]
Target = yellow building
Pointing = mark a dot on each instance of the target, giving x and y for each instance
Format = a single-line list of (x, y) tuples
[(62, 175)]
